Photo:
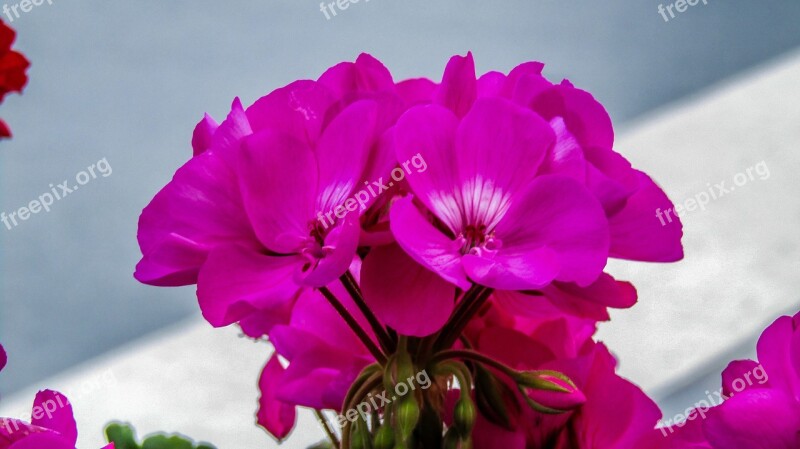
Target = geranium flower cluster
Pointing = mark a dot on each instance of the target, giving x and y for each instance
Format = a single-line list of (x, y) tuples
[(485, 270)]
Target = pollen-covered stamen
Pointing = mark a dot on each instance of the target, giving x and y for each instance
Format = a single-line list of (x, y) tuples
[(479, 241)]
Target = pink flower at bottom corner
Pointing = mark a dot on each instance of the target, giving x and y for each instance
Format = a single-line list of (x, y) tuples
[(52, 425)]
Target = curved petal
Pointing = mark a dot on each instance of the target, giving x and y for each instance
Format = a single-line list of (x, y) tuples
[(416, 91), (585, 117), (343, 243), (606, 291), (743, 374), (645, 229), (566, 156), (53, 411), (203, 134), (231, 131), (299, 109), (429, 131), (276, 417), (755, 419), (778, 351), (528, 269), (3, 358), (43, 440), (198, 210), (458, 89), (278, 179), (366, 74), (426, 244), (425, 294), (556, 212), (499, 149), (236, 282), (342, 153)]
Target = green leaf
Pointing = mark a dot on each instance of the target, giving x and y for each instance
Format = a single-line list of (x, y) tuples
[(122, 435), (165, 442)]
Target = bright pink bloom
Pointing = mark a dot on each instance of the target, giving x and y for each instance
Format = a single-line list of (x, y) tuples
[(500, 224), (248, 217), (614, 414), (52, 426), (763, 410), (13, 66), (3, 358), (583, 150), (323, 356)]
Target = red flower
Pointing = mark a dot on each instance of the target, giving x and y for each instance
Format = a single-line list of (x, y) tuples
[(13, 65)]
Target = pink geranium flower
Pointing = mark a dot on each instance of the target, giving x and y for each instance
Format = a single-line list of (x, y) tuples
[(247, 218)]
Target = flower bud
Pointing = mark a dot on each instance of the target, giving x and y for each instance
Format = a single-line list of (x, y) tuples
[(550, 391), (407, 417), (464, 416), (384, 438)]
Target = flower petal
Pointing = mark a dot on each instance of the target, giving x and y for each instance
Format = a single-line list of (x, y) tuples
[(198, 210), (556, 212), (299, 109), (458, 89), (643, 230), (342, 153), (425, 294), (236, 282), (755, 419), (203, 134), (53, 411), (426, 244), (343, 241), (278, 179), (277, 417)]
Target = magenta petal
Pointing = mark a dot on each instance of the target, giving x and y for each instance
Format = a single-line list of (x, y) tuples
[(778, 353), (367, 74), (585, 117), (342, 153), (198, 210), (490, 84), (606, 291), (458, 89), (44, 440), (278, 182), (429, 131), (53, 411), (203, 134), (566, 156), (3, 358), (231, 131), (299, 109), (416, 91), (426, 244), (642, 231), (425, 294), (236, 282), (741, 375), (755, 419), (277, 417), (500, 147), (557, 213), (514, 270), (343, 241)]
